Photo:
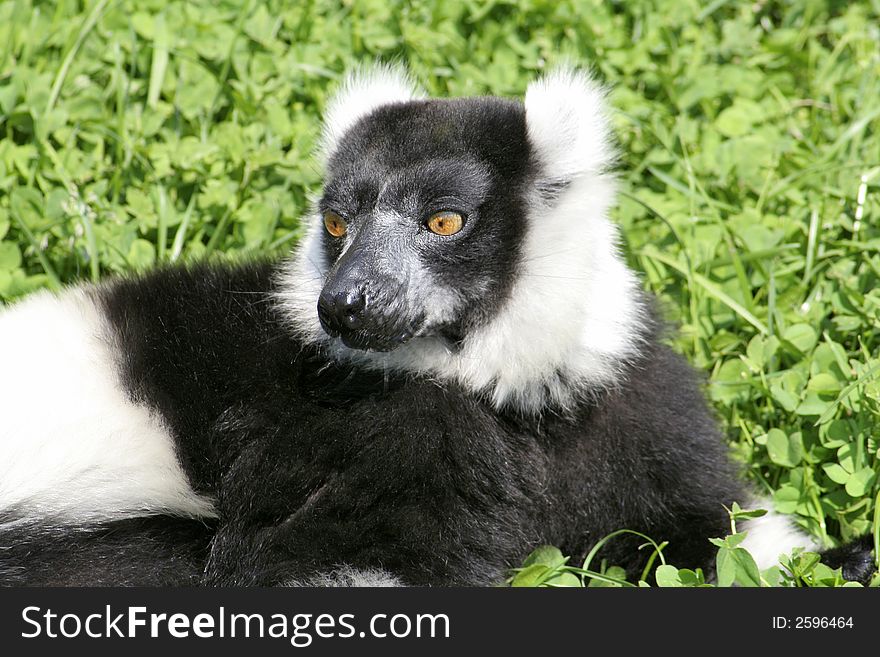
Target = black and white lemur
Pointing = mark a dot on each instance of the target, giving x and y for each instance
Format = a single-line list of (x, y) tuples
[(454, 367)]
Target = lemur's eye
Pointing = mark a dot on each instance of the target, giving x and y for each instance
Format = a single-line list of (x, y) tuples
[(445, 223), (335, 224)]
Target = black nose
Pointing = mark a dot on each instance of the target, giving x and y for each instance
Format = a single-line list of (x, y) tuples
[(341, 312)]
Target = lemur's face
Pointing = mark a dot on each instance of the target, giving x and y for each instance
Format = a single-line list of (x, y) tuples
[(468, 240), (424, 214)]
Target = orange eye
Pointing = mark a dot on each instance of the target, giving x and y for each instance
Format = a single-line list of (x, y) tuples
[(445, 223), (335, 224)]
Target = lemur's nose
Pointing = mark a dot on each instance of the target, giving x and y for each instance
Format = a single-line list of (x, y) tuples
[(341, 312)]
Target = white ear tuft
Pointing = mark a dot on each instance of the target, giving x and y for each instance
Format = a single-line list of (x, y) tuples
[(364, 90), (568, 125)]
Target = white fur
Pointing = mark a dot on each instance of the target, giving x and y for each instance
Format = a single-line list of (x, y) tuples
[(73, 447), (363, 91), (573, 315), (772, 535), (300, 283), (346, 576), (567, 124)]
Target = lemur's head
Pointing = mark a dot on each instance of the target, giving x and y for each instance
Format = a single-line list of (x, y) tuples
[(467, 239)]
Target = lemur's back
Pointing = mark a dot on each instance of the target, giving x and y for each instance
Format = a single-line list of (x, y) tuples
[(307, 464)]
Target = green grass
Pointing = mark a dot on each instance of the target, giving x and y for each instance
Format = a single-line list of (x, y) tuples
[(133, 133)]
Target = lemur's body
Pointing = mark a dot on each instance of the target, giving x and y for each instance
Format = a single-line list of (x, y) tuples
[(484, 391)]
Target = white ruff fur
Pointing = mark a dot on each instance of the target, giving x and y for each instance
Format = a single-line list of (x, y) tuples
[(73, 447), (362, 92), (573, 316), (772, 535)]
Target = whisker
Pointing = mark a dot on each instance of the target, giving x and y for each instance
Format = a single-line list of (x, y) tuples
[(553, 254), (560, 276)]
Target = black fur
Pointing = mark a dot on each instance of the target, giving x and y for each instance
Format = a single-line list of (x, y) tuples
[(854, 559), (315, 465), (157, 551)]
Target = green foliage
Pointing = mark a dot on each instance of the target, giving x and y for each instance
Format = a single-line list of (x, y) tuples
[(734, 566), (135, 133)]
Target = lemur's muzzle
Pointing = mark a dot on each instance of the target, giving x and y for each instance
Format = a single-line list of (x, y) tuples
[(346, 314), (341, 311), (362, 307)]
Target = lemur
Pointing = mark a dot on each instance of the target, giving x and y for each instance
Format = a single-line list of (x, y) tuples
[(454, 366)]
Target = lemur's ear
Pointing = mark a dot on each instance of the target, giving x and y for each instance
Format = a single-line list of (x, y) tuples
[(363, 90), (568, 125)]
